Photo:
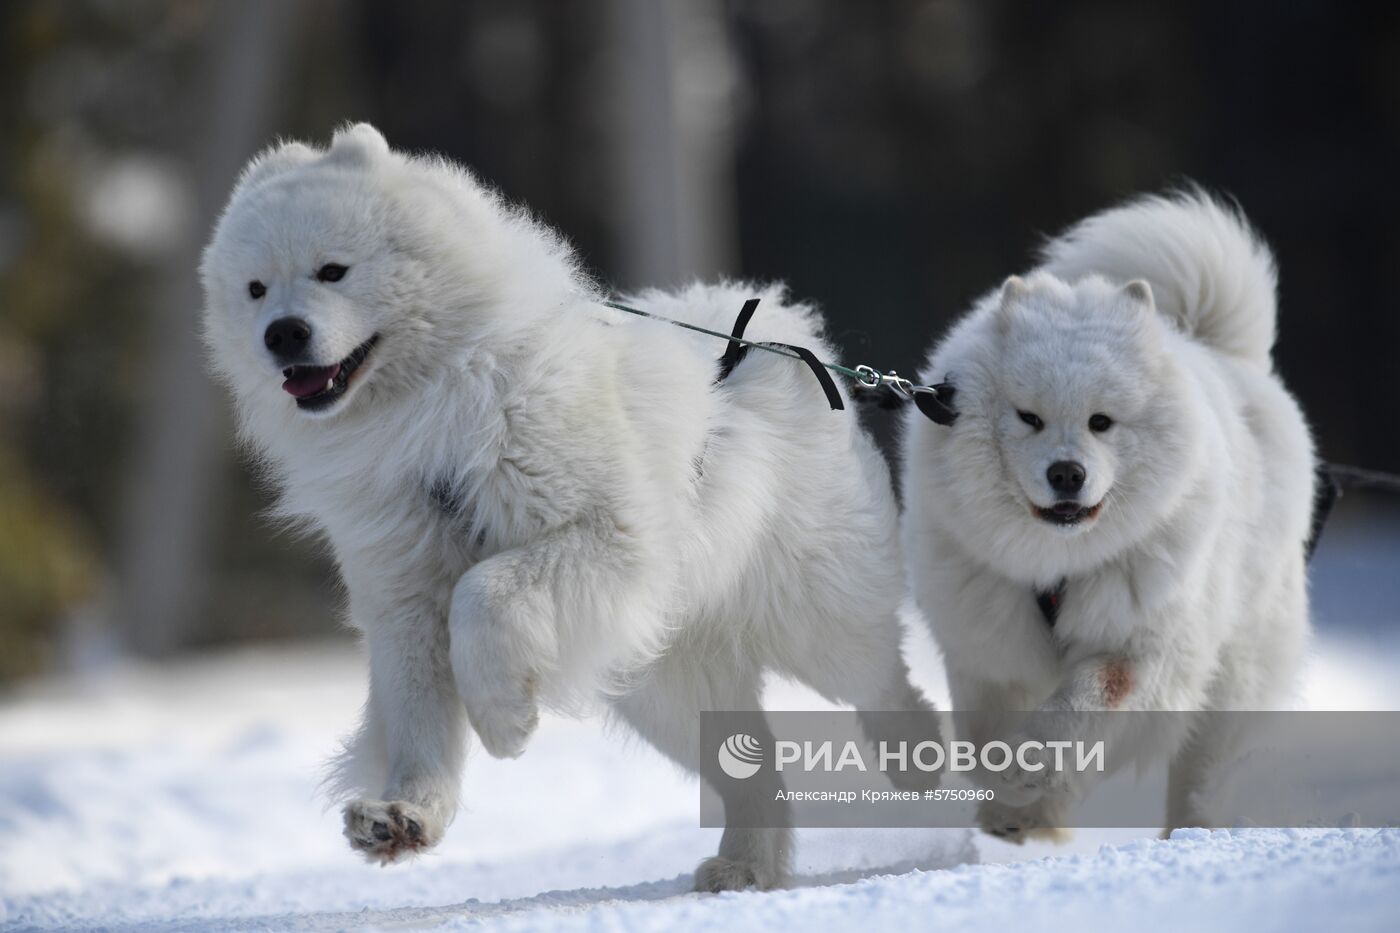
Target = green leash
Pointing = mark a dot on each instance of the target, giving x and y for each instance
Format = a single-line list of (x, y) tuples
[(936, 402), (861, 374)]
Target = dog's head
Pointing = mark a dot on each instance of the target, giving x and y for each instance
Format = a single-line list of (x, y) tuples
[(1074, 434), (342, 276)]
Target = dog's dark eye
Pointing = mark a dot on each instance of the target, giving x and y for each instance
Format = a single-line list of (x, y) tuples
[(1031, 418), (1100, 423), (256, 289), (331, 272)]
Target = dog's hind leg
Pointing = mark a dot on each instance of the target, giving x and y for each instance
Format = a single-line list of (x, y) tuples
[(1195, 770), (1201, 767), (859, 662), (665, 710), (847, 658)]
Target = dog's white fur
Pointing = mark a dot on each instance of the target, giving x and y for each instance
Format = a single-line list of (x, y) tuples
[(533, 499), (1187, 591)]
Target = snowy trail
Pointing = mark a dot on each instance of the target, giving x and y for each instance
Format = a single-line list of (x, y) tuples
[(183, 797), (1257, 879), (243, 905)]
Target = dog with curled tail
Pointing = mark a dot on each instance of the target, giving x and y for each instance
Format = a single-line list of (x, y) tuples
[(1118, 518)]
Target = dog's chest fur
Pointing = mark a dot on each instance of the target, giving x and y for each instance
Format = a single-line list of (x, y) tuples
[(1011, 639), (452, 512), (409, 526)]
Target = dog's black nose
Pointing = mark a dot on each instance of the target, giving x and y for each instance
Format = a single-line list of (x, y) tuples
[(1066, 476), (287, 337)]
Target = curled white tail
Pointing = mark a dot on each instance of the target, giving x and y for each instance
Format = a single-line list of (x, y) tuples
[(1209, 271)]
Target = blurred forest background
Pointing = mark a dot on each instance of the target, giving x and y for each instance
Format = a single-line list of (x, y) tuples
[(889, 160)]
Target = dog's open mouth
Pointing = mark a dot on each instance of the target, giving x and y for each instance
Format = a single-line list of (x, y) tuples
[(1067, 513), (319, 387)]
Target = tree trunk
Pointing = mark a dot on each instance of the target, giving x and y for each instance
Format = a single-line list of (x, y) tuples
[(674, 80), (177, 467)]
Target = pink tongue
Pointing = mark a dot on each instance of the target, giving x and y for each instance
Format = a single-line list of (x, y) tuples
[(308, 380)]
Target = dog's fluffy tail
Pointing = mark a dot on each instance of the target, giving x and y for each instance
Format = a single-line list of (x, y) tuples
[(1209, 271)]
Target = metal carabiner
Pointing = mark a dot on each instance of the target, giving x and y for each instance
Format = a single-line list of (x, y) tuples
[(868, 376)]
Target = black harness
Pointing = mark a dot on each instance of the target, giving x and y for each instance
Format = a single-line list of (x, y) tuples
[(934, 401), (1049, 601), (1326, 492), (937, 403), (736, 351)]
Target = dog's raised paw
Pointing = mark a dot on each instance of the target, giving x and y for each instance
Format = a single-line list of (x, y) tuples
[(386, 831), (504, 720), (1019, 785)]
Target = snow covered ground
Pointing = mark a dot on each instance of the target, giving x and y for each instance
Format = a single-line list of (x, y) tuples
[(184, 796)]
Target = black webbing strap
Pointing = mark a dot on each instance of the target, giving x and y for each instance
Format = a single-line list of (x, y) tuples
[(1048, 601), (734, 353), (1326, 492), (833, 396), (937, 406)]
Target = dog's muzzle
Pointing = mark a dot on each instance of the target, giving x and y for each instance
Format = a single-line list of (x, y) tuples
[(318, 387), (1067, 512)]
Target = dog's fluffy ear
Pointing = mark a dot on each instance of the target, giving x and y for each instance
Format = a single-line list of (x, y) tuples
[(1136, 299), (273, 161), (1139, 292), (359, 144), (1014, 292)]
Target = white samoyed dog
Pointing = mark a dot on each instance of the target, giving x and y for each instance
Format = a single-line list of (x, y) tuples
[(535, 500), (1117, 518)]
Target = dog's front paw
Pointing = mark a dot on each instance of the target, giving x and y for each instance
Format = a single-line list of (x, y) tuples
[(504, 714), (1003, 821), (385, 831), (1041, 820), (718, 873)]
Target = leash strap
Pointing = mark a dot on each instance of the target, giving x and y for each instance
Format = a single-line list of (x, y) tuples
[(833, 397), (866, 376), (736, 351), (1326, 492), (937, 405), (936, 402), (739, 348)]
